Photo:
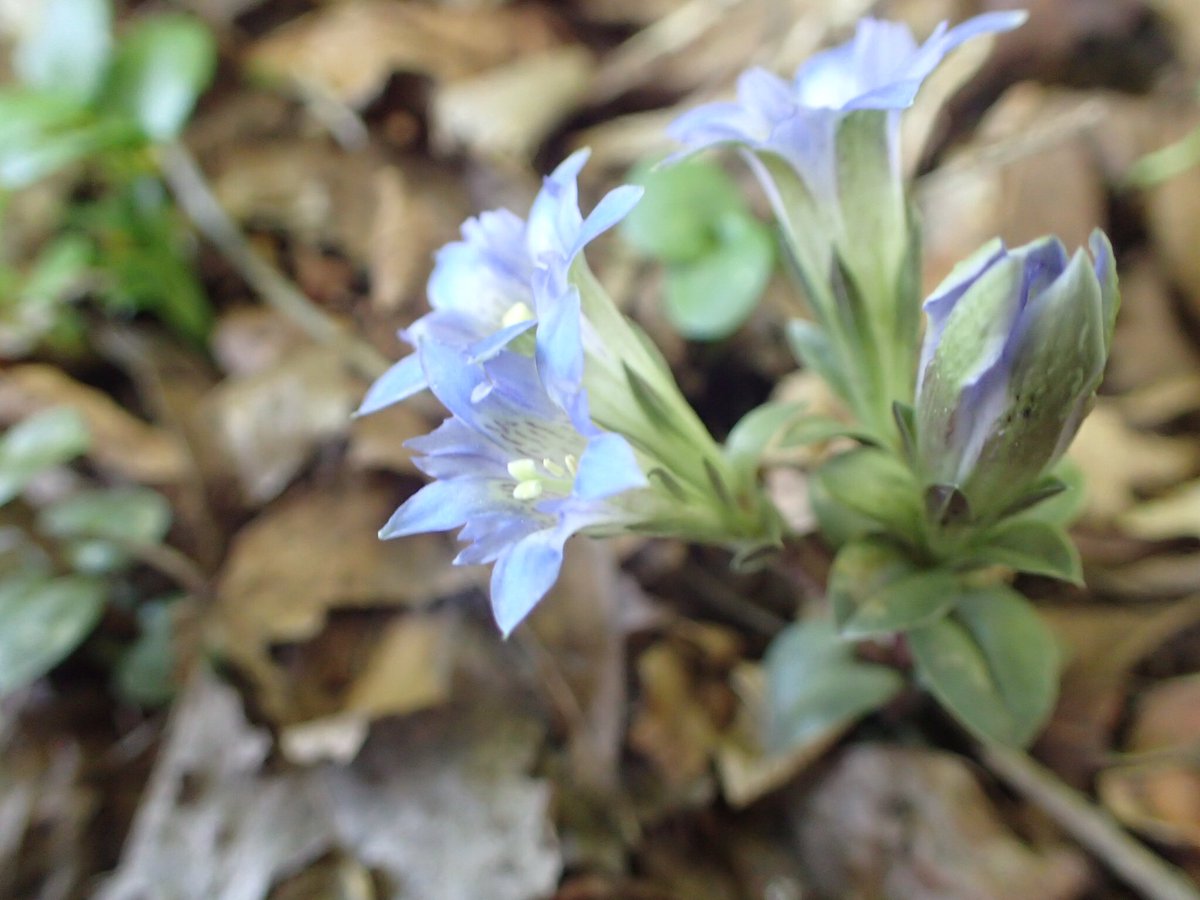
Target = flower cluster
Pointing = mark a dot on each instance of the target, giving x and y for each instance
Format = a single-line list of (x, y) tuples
[(563, 418)]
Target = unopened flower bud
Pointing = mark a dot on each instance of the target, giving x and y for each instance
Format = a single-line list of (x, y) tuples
[(1014, 350)]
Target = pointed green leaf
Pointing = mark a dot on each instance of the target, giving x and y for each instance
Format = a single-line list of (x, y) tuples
[(45, 439), (993, 665), (1038, 548), (42, 621), (816, 686), (875, 589), (877, 486), (759, 429)]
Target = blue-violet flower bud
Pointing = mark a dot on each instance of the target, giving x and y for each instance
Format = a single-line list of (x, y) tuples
[(1014, 350)]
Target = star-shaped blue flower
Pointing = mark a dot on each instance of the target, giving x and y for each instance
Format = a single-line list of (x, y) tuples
[(484, 293), (515, 472), (881, 68)]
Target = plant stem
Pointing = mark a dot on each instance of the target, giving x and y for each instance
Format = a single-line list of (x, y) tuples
[(198, 202), (1092, 827)]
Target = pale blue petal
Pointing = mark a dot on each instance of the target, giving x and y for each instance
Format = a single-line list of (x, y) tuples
[(400, 382), (614, 207), (607, 467), (554, 219), (947, 294), (560, 346), (439, 506), (497, 341), (524, 575)]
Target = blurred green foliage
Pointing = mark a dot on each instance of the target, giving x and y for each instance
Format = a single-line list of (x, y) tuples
[(93, 106)]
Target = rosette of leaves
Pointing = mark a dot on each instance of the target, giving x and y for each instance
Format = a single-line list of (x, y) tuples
[(718, 256)]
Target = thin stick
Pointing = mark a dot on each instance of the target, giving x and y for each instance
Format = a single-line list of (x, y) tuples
[(197, 200), (1091, 826)]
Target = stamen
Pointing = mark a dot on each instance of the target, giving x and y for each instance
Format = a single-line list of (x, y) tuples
[(554, 468), (527, 490), (523, 469), (517, 313)]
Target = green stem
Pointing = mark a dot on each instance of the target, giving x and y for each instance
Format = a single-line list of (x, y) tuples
[(1091, 826)]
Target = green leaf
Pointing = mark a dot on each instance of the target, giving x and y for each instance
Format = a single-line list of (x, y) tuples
[(134, 515), (45, 439), (816, 686), (876, 486), (676, 218), (142, 251), (874, 589), (159, 71), (42, 621), (1029, 545), (759, 429), (813, 349), (68, 49), (1057, 497), (993, 665), (710, 297), (42, 131), (145, 673), (102, 526)]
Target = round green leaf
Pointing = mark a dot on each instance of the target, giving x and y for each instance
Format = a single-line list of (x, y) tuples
[(676, 218), (875, 589), (711, 296), (42, 621)]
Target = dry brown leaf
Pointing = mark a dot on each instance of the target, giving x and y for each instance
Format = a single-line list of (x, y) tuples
[(1150, 346), (441, 804), (349, 50), (266, 426), (1160, 794), (1032, 172), (399, 668), (748, 771), (211, 823), (277, 589), (377, 440), (1120, 463), (121, 444), (508, 111), (1102, 644), (901, 822), (579, 644), (387, 218)]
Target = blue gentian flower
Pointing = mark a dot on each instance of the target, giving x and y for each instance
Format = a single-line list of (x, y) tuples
[(1014, 350), (515, 472), (482, 291), (881, 68), (825, 148)]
